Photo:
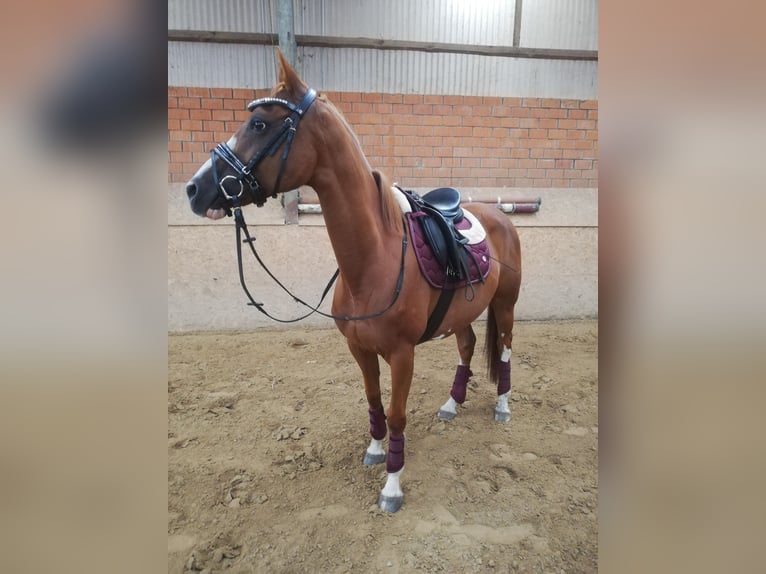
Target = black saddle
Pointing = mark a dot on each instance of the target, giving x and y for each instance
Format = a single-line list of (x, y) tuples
[(445, 200), (440, 209)]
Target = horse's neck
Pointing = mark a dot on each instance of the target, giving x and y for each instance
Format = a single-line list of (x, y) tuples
[(350, 203)]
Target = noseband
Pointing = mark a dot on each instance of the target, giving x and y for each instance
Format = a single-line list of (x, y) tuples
[(244, 175)]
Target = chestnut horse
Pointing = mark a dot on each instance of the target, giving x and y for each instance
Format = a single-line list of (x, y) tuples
[(381, 302)]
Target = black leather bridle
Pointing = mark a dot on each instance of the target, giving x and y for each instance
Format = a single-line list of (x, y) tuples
[(244, 171)]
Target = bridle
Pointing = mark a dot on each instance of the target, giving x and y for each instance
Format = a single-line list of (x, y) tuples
[(244, 171), (245, 177)]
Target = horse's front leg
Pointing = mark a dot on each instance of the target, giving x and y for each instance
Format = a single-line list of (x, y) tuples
[(368, 363), (402, 363)]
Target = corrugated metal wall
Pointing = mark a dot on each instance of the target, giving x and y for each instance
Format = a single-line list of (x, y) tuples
[(223, 15), (400, 72), (207, 65), (565, 24), (558, 24), (488, 22), (545, 23)]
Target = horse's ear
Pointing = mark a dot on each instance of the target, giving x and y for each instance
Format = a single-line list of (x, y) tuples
[(288, 76)]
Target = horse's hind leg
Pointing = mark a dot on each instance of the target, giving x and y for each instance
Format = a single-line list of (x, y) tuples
[(503, 317), (466, 341), (368, 363)]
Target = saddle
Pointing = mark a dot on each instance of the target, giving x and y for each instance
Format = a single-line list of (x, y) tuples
[(438, 211)]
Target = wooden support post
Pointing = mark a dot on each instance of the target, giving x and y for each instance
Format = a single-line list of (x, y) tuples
[(289, 49)]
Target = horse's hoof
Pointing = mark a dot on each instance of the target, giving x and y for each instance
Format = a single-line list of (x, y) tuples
[(446, 415), (502, 417), (390, 503), (372, 459)]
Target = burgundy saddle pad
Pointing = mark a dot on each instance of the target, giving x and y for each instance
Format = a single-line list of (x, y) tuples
[(429, 264)]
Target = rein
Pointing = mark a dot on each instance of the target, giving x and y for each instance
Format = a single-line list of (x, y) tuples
[(241, 227)]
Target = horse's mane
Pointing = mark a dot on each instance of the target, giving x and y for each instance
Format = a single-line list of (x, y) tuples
[(390, 210)]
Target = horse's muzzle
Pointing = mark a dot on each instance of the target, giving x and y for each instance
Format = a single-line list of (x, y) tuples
[(193, 193), (199, 201)]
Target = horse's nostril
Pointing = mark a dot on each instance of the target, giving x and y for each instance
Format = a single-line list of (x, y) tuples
[(191, 189)]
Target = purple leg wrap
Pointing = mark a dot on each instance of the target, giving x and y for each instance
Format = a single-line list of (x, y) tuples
[(377, 424), (395, 458), (504, 379), (462, 375)]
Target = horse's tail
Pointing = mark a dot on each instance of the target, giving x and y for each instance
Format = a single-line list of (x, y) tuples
[(491, 351)]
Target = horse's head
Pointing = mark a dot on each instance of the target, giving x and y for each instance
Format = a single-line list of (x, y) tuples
[(268, 154)]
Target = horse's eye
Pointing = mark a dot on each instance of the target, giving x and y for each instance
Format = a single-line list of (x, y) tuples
[(257, 125)]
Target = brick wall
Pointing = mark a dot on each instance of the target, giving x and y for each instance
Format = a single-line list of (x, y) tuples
[(420, 140)]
